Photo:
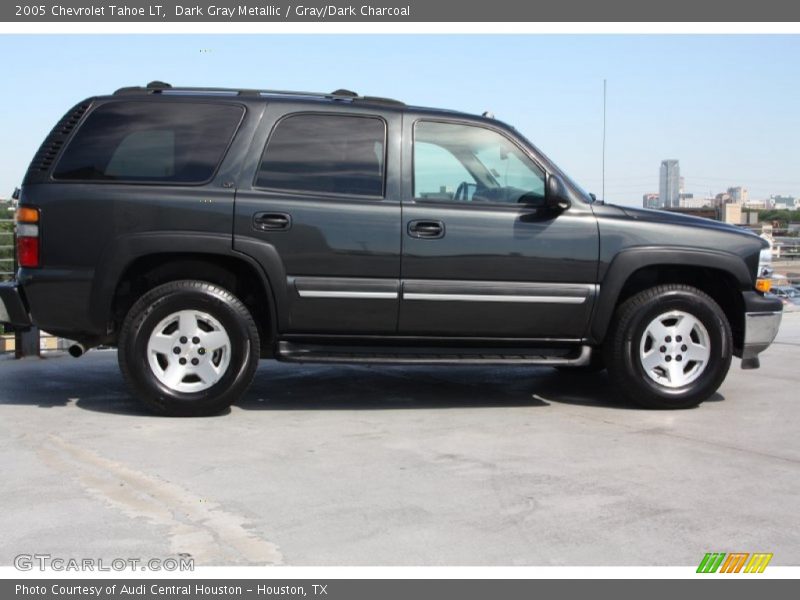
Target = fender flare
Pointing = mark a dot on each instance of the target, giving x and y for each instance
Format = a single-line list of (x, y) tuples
[(124, 250), (628, 261)]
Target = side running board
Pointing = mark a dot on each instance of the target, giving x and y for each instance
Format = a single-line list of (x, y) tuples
[(322, 353)]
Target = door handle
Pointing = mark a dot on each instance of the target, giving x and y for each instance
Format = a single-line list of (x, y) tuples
[(430, 230), (265, 221)]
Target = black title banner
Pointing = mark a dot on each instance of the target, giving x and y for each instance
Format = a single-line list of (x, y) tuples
[(389, 589), (399, 11)]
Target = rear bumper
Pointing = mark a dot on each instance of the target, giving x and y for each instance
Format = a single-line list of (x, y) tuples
[(12, 306)]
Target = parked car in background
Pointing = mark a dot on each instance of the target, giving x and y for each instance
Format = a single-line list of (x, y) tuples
[(787, 293)]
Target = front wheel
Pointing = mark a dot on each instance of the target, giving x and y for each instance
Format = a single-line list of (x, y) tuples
[(188, 348), (668, 347)]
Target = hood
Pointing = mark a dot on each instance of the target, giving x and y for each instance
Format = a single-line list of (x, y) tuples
[(665, 216)]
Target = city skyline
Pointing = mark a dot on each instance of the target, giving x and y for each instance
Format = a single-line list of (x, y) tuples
[(652, 199), (673, 193), (669, 96)]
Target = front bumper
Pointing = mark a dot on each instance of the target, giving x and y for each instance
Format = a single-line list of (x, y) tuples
[(12, 306), (762, 318), (760, 329)]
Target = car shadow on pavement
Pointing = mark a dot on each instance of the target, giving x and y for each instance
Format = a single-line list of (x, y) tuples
[(589, 389), (58, 381), (376, 388), (346, 387), (339, 387)]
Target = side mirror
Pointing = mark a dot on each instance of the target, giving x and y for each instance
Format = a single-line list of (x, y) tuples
[(556, 193)]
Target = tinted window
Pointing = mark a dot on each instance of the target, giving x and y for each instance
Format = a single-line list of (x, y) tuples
[(465, 163), (438, 172), (325, 153), (150, 141)]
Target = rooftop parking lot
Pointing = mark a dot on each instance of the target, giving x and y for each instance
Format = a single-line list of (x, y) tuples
[(351, 465)]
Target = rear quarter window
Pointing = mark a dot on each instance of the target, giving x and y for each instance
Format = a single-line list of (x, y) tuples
[(175, 142), (326, 154)]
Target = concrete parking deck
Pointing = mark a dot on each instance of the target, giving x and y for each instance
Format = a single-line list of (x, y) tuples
[(401, 466)]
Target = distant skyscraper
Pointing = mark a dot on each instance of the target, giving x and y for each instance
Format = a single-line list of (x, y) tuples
[(669, 184), (738, 194)]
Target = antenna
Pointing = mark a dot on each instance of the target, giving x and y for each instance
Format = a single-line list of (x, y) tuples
[(603, 194)]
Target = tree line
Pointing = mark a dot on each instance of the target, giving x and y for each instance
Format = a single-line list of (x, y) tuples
[(781, 217)]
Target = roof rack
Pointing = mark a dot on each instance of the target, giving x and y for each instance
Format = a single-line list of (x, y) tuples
[(341, 95)]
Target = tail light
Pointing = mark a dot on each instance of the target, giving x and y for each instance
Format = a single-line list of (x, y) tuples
[(27, 237)]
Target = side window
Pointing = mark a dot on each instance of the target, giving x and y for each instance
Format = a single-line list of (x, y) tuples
[(466, 163), (144, 154), (173, 142), (329, 154), (511, 169), (437, 172)]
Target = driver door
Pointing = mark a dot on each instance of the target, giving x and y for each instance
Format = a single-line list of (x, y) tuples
[(481, 257)]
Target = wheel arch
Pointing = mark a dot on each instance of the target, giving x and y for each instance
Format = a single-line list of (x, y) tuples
[(721, 275), (140, 263)]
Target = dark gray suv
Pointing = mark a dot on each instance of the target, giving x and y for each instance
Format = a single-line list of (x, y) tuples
[(202, 229)]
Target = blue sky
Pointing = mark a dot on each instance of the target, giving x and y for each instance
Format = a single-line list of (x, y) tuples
[(726, 106)]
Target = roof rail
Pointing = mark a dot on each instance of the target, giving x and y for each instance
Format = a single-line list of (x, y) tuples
[(342, 95)]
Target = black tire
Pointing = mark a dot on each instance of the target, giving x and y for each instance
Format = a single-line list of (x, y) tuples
[(623, 346), (230, 315)]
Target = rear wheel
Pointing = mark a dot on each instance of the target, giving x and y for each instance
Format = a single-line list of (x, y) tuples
[(668, 347), (188, 348)]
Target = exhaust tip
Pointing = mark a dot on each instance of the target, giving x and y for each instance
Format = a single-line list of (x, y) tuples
[(76, 350)]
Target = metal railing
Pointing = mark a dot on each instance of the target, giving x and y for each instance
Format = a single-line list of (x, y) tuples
[(7, 340), (22, 343), (6, 249), (786, 249)]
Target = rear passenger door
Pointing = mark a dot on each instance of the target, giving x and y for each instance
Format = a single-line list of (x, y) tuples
[(320, 210)]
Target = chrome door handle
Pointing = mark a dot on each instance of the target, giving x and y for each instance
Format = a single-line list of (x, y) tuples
[(430, 230), (272, 221)]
